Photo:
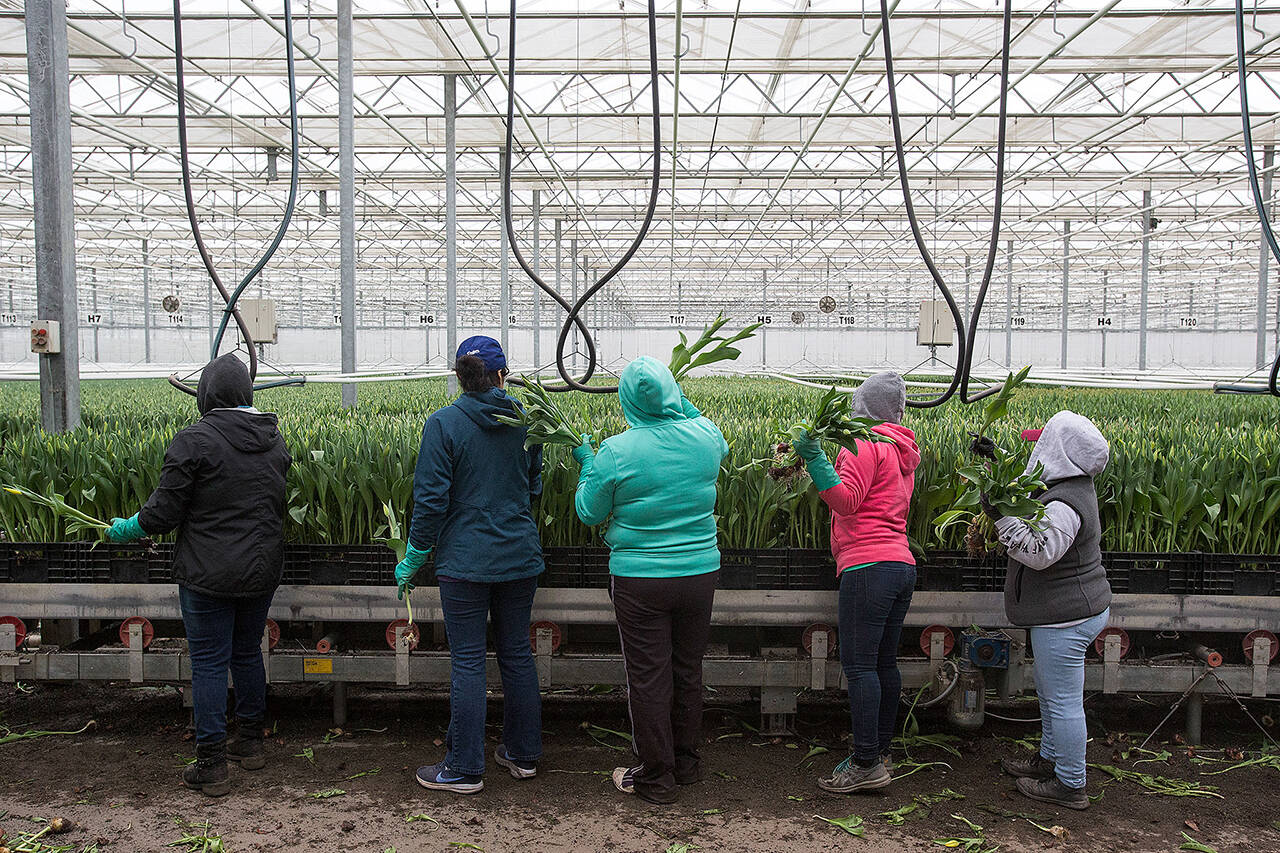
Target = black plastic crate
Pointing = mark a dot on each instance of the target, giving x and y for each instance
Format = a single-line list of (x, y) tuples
[(564, 567), (747, 568), (811, 569), (41, 562), (339, 565), (1139, 573), (1239, 574)]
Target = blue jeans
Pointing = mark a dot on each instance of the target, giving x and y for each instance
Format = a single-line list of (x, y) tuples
[(222, 634), (873, 604), (1058, 656), (467, 607)]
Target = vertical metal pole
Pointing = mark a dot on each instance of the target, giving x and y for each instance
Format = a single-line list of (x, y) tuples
[(559, 265), (1066, 260), (212, 332), (1104, 314), (146, 301), (426, 306), (48, 77), (573, 280), (347, 199), (966, 287), (1264, 259), (1008, 304), (451, 222), (1146, 258), (504, 298), (536, 320), (764, 311), (97, 318)]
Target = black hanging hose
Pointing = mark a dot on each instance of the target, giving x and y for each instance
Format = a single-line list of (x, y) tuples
[(964, 358), (231, 312), (574, 310), (1273, 385)]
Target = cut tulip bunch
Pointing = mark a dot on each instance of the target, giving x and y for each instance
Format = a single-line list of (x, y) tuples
[(76, 521), (685, 356), (539, 414), (1003, 478), (832, 421)]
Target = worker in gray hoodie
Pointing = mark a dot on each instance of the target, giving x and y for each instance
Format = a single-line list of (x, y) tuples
[(1057, 587)]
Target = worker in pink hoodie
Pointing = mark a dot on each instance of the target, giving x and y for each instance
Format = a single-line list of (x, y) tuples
[(868, 494)]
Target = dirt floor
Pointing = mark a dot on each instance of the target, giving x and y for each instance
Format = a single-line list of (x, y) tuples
[(118, 783)]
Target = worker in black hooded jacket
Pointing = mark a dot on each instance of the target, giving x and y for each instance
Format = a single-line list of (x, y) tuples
[(222, 488)]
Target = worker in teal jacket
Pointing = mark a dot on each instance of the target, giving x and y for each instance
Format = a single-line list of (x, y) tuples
[(657, 483)]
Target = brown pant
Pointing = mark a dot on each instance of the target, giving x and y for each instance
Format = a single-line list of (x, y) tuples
[(664, 624)]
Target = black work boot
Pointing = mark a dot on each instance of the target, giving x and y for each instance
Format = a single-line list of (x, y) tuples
[(209, 774), (1053, 791), (246, 746), (1028, 767)]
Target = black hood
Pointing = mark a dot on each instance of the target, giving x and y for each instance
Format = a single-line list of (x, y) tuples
[(224, 384), (246, 430)]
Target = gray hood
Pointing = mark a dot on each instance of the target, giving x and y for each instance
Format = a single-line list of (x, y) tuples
[(882, 397), (1070, 446)]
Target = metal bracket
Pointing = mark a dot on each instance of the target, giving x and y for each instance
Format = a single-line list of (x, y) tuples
[(402, 657), (818, 649), (1261, 665), (135, 653), (1111, 664), (8, 653), (542, 655)]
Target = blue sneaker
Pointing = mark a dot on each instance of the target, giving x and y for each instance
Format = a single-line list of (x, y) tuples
[(518, 769), (438, 777)]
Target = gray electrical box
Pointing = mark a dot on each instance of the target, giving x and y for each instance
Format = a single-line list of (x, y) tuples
[(260, 316), (937, 329)]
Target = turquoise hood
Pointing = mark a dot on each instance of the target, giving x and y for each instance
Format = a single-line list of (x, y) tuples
[(649, 393)]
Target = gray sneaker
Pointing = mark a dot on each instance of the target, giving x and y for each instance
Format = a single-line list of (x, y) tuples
[(1028, 766), (849, 777)]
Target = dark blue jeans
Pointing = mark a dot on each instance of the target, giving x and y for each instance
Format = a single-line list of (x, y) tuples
[(467, 607), (222, 634), (873, 603)]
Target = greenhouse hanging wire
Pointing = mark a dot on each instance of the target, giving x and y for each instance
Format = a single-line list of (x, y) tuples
[(964, 357), (230, 298), (574, 310), (1272, 385)]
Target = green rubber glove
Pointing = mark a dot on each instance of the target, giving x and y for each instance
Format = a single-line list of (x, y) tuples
[(125, 530), (807, 448), (583, 451), (407, 568), (824, 476)]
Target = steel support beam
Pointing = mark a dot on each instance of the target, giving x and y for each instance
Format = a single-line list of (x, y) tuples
[(451, 223), (1008, 304), (535, 261), (54, 209), (1264, 259), (347, 198), (1146, 279), (573, 282), (504, 274), (146, 300), (1066, 286)]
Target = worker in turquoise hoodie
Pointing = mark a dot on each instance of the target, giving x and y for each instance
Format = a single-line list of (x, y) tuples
[(657, 481), (869, 494)]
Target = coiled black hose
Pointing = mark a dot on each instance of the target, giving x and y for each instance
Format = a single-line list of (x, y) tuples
[(231, 312), (964, 357), (1273, 385), (574, 310)]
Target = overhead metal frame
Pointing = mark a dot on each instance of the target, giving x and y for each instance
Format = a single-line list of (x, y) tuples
[(776, 129)]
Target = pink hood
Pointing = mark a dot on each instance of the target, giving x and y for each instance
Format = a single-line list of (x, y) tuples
[(869, 505)]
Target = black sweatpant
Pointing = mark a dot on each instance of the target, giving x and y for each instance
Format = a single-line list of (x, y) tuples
[(664, 624)]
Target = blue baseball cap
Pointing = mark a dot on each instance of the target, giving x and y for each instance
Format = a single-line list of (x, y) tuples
[(484, 348)]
